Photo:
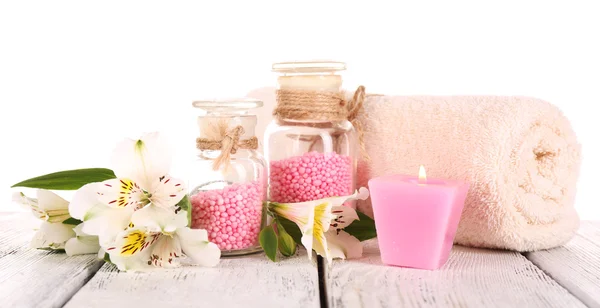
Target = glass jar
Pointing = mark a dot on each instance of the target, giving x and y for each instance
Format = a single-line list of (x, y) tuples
[(228, 186), (311, 154)]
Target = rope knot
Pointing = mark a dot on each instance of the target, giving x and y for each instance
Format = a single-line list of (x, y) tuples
[(228, 142)]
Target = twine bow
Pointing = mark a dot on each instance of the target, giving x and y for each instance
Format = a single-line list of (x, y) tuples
[(228, 143)]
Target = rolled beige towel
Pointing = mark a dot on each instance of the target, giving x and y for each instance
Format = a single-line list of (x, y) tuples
[(520, 155)]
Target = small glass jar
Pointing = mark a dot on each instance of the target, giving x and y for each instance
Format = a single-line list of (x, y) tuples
[(310, 156), (227, 196)]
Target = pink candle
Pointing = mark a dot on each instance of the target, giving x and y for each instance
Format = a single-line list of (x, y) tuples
[(416, 218)]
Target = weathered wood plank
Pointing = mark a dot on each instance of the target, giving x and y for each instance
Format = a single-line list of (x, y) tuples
[(576, 266), (471, 278), (251, 281), (37, 278)]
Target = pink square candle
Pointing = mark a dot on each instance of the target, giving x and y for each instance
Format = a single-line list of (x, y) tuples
[(416, 220)]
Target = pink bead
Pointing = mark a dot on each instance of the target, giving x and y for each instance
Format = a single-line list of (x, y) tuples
[(231, 215), (311, 176)]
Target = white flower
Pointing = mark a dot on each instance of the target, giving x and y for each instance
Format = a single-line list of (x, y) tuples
[(48, 206), (141, 167), (54, 233), (159, 238), (322, 222)]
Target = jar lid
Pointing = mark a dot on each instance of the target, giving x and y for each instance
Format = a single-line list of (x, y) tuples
[(318, 66), (233, 104)]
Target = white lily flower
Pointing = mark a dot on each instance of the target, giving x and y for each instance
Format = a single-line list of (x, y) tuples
[(141, 167), (159, 238), (322, 222)]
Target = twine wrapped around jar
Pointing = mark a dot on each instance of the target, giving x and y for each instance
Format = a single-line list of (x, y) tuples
[(220, 138), (297, 104)]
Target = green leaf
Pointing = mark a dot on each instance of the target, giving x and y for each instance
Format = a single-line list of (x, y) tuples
[(362, 229), (106, 257), (68, 180), (287, 245), (72, 221), (185, 205), (291, 228), (268, 241)]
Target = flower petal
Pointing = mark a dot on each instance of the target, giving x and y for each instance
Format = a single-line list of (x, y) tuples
[(165, 252), (82, 245), (322, 220), (56, 208), (360, 194), (49, 201), (323, 217), (79, 230), (106, 222), (158, 219), (137, 263), (84, 200), (343, 245), (195, 245), (133, 242), (29, 203), (120, 193), (344, 216), (167, 191), (142, 160), (300, 213), (101, 253), (52, 235)]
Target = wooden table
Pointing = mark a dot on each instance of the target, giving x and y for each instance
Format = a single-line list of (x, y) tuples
[(563, 277)]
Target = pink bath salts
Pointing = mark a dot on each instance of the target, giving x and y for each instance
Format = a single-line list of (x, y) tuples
[(309, 177), (231, 216)]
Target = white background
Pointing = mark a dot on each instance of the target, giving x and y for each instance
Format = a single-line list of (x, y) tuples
[(76, 77)]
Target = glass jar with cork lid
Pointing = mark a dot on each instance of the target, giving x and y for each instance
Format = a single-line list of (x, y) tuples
[(228, 177), (312, 145)]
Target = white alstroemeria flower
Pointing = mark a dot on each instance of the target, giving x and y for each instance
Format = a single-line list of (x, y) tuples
[(322, 222), (52, 210), (141, 167), (159, 237), (48, 206), (53, 233)]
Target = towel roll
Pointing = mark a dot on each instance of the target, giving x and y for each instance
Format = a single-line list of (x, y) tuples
[(520, 155)]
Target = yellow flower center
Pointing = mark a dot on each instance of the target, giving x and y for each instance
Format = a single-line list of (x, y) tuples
[(318, 228), (134, 242)]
